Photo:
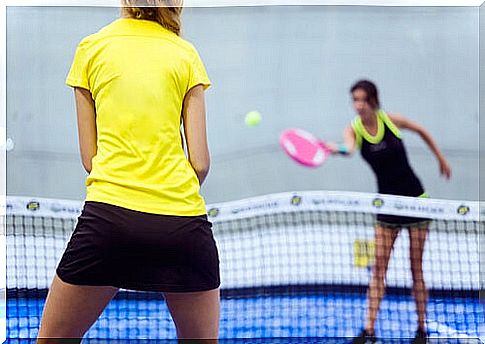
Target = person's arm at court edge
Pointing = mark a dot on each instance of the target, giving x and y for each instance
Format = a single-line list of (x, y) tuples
[(404, 123), (346, 148), (86, 124), (194, 122)]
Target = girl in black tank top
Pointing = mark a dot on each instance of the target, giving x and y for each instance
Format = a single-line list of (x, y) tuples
[(386, 155), (378, 136), (388, 159)]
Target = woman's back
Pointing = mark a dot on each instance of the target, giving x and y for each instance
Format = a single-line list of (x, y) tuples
[(138, 74)]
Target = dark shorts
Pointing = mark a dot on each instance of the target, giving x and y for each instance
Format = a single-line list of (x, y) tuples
[(395, 222), (114, 246)]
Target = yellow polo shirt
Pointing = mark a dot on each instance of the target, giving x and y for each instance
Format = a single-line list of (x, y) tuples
[(138, 74)]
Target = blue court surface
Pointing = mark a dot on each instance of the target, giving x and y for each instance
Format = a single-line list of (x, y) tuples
[(281, 319)]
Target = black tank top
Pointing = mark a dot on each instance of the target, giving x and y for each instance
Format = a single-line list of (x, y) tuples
[(386, 154)]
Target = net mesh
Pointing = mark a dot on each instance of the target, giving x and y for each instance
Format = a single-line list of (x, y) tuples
[(292, 265)]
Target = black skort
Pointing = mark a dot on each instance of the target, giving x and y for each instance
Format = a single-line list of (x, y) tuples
[(115, 246)]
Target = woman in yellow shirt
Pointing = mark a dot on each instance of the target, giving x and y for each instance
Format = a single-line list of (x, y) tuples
[(144, 223)]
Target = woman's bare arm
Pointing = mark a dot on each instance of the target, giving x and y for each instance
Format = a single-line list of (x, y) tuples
[(404, 123), (86, 124), (194, 123)]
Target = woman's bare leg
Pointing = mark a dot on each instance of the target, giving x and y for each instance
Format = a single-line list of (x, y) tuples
[(385, 238), (70, 310), (417, 238), (196, 315)]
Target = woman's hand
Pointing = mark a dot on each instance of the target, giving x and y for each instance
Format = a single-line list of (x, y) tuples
[(345, 148), (445, 168), (332, 147)]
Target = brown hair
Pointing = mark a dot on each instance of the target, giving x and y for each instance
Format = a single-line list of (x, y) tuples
[(165, 12), (370, 89)]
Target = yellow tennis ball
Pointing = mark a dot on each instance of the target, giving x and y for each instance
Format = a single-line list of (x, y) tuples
[(253, 118)]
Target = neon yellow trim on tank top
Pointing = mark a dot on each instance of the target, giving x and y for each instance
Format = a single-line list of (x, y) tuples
[(395, 130), (374, 139), (362, 133)]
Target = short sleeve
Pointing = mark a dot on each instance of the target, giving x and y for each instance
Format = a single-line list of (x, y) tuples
[(78, 75), (198, 74)]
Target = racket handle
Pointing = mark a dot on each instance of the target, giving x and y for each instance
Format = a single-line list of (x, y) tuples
[(329, 148)]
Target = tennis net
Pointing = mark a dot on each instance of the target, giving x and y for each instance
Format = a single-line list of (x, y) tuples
[(292, 265)]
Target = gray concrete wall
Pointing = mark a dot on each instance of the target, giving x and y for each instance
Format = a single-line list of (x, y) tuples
[(293, 64)]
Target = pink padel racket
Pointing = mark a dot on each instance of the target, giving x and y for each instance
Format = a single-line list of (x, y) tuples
[(304, 148)]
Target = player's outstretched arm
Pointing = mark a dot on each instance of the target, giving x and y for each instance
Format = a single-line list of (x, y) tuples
[(346, 148), (404, 123)]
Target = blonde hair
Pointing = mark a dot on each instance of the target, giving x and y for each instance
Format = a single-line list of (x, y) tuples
[(165, 12)]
